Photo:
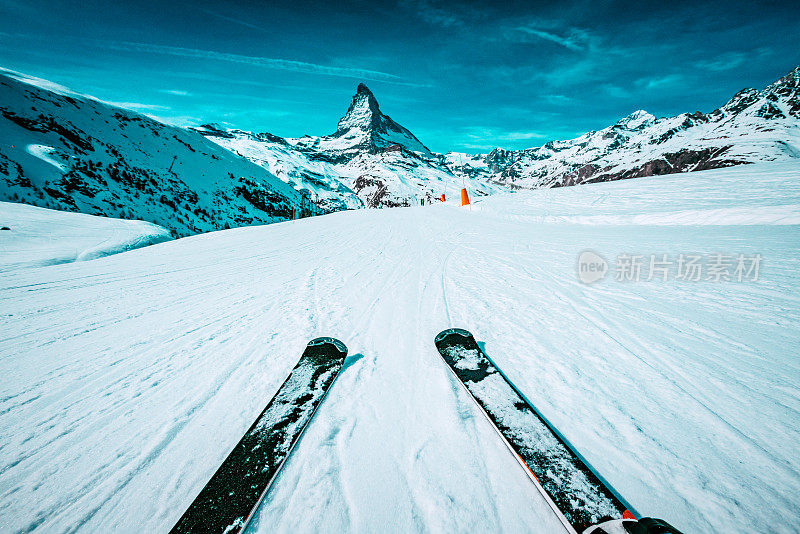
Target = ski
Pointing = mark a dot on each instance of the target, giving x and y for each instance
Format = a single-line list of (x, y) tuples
[(577, 494), (228, 501)]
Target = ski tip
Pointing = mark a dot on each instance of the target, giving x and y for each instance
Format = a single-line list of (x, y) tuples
[(453, 332), (321, 342)]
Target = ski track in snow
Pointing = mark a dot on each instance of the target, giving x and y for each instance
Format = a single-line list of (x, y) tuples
[(127, 380)]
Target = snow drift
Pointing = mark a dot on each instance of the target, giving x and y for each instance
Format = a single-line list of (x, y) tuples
[(38, 236)]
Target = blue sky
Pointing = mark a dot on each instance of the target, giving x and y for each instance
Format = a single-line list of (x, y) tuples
[(461, 76)]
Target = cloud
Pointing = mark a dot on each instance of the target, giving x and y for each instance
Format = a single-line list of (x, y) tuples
[(256, 61), (575, 39), (731, 60), (520, 136), (136, 106), (175, 92), (481, 137), (473, 146), (557, 99), (232, 19), (614, 91), (433, 14), (184, 121), (722, 62), (661, 81), (445, 14)]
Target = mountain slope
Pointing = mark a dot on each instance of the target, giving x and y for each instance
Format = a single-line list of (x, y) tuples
[(127, 380), (66, 151), (370, 160), (37, 237), (298, 168), (753, 126), (382, 163)]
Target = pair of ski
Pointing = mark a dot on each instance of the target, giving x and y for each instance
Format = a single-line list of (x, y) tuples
[(579, 497)]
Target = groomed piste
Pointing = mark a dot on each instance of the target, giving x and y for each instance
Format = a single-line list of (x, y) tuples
[(126, 381)]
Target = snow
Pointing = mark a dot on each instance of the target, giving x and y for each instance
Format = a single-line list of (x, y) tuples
[(127, 380), (40, 236), (753, 127), (581, 501), (291, 166), (44, 153), (66, 151), (399, 177)]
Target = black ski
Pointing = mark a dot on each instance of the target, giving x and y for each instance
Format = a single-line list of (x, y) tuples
[(228, 501), (576, 493)]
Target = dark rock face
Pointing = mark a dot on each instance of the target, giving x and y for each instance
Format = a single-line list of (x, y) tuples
[(788, 89), (374, 187), (363, 112), (683, 161), (47, 123), (498, 159), (377, 195)]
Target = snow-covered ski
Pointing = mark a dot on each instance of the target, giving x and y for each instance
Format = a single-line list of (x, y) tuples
[(578, 496), (228, 501)]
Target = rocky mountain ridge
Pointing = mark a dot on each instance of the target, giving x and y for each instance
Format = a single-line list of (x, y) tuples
[(753, 126), (374, 161), (69, 152)]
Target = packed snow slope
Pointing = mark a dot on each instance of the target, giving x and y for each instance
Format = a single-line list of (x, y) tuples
[(38, 236), (125, 381)]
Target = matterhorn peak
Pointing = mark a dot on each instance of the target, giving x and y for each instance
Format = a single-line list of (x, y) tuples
[(364, 127), (363, 112), (362, 89)]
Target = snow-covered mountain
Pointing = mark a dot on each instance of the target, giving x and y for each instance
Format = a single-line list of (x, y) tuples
[(753, 126), (370, 160), (299, 168), (364, 128), (75, 153), (71, 152), (373, 161)]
